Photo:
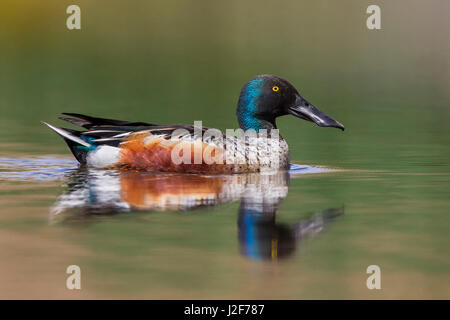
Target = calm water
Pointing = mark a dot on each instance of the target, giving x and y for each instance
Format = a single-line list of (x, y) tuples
[(376, 194), (309, 233)]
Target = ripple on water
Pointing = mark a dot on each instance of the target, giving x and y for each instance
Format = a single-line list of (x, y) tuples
[(297, 169), (50, 168), (36, 168)]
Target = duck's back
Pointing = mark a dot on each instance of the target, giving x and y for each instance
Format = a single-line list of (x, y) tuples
[(109, 143)]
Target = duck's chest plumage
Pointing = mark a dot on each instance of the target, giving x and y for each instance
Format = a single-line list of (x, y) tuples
[(254, 154), (257, 154)]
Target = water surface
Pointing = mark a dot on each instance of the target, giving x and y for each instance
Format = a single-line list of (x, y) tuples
[(306, 233)]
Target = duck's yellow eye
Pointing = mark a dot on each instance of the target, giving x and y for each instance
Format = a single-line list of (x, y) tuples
[(275, 88)]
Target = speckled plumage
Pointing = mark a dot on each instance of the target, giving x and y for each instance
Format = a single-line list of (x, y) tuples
[(152, 152)]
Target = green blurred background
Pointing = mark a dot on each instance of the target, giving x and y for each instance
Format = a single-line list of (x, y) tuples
[(180, 61)]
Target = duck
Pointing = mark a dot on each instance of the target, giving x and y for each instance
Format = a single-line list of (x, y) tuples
[(256, 146)]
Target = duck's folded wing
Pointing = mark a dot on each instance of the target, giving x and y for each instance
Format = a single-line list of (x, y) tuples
[(111, 131), (149, 146)]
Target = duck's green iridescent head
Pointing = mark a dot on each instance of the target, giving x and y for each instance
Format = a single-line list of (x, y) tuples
[(266, 97)]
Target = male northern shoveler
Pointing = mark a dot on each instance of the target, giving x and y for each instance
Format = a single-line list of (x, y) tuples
[(111, 143)]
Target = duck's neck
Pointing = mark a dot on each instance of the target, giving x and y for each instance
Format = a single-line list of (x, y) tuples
[(247, 122), (247, 110)]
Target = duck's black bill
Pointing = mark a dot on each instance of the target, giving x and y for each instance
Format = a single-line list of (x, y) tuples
[(304, 110)]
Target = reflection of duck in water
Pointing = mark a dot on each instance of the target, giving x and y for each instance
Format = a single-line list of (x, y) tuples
[(93, 191), (260, 237), (99, 192)]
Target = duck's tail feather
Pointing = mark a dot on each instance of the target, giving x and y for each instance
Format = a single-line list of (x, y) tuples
[(77, 145)]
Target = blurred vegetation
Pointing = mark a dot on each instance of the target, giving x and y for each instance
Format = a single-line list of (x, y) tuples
[(180, 61)]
